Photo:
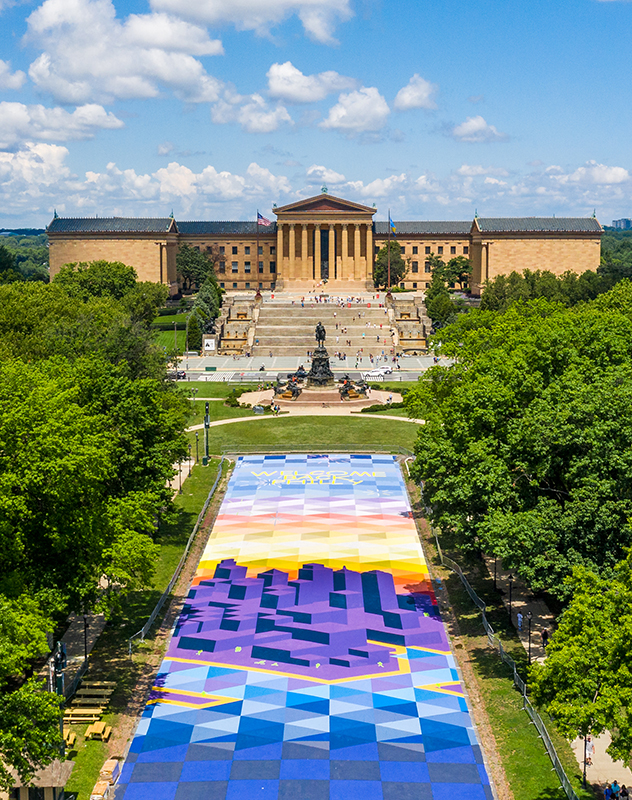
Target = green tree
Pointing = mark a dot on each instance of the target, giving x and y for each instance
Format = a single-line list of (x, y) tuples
[(585, 684), (399, 265), (195, 333), (96, 279), (439, 306), (7, 259), (194, 266), (523, 450), (143, 301)]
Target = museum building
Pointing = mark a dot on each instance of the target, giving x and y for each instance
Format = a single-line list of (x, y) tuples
[(326, 239)]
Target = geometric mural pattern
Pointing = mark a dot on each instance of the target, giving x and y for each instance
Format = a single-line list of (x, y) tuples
[(310, 661)]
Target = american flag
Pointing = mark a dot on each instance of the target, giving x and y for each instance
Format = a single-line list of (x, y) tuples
[(262, 220)]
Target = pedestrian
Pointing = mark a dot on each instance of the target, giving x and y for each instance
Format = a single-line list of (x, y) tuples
[(545, 638), (607, 792), (519, 620), (625, 794), (590, 750), (616, 790)]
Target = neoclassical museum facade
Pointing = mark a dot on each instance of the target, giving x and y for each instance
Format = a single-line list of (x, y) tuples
[(326, 241)]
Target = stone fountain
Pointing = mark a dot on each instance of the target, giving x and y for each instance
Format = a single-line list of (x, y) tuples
[(320, 373)]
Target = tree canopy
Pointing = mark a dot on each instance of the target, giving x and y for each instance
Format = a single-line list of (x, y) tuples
[(399, 265), (89, 431), (194, 266), (585, 682), (568, 289), (525, 450), (440, 306)]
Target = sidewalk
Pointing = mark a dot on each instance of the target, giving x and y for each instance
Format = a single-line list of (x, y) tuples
[(604, 769)]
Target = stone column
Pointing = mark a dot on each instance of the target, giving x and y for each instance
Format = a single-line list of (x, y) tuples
[(332, 253), (280, 273), (369, 252), (356, 254), (345, 252), (292, 254), (317, 251), (304, 258)]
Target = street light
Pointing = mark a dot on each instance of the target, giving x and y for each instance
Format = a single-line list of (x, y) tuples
[(190, 464), (510, 588), (529, 618), (85, 636), (197, 447)]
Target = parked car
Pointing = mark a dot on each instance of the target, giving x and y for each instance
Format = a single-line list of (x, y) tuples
[(378, 372)]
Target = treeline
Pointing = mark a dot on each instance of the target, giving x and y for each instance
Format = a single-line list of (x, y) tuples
[(526, 455), (89, 431), (24, 258)]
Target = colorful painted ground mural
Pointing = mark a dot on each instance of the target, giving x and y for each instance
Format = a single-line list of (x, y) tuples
[(310, 661)]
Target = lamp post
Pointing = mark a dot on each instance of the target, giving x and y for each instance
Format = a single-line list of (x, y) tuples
[(190, 464), (529, 618), (197, 447), (179, 476), (175, 346), (85, 636), (194, 392), (510, 588)]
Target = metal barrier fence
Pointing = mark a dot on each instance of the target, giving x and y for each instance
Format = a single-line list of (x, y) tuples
[(145, 629), (520, 684)]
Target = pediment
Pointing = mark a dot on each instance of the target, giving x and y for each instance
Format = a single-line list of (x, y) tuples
[(325, 204)]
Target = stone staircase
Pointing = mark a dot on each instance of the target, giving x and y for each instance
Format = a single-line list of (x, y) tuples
[(286, 329)]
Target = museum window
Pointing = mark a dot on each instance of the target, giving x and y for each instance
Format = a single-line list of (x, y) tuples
[(273, 266), (247, 284), (222, 266), (222, 250), (415, 266), (209, 248), (466, 250), (440, 250), (235, 266), (272, 250), (403, 248), (260, 285), (453, 251), (247, 251), (402, 285), (415, 250), (428, 251), (246, 266), (234, 285), (377, 249), (222, 285), (260, 249), (414, 285), (261, 266), (235, 251), (427, 267), (427, 286)]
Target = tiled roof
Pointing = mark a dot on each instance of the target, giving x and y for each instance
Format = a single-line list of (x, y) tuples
[(538, 224), (110, 225), (225, 228), (428, 228)]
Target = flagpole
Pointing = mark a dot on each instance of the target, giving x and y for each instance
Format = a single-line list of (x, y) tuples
[(257, 259), (389, 250)]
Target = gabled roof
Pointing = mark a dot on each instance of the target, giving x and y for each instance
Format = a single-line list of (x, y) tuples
[(225, 228), (430, 228), (113, 225), (325, 203), (537, 225)]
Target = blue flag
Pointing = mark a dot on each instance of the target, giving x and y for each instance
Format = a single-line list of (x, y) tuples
[(391, 224)]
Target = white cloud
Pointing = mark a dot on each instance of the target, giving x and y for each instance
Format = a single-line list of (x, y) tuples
[(418, 93), (475, 129), (380, 187), (164, 148), (319, 17), (318, 174), (288, 83), (19, 122), (8, 79), (473, 170), (357, 111), (36, 165), (593, 173), (250, 111), (88, 54), (495, 182)]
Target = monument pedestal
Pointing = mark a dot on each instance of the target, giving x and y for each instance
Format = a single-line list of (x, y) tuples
[(320, 373)]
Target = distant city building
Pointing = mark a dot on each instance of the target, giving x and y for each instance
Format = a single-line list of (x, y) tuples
[(326, 239), (622, 224)]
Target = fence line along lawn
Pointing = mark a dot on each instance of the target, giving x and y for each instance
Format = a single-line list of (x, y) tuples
[(319, 433)]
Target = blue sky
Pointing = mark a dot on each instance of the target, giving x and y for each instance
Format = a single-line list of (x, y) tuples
[(214, 108)]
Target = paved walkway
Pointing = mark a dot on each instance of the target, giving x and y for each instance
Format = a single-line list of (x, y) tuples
[(604, 769)]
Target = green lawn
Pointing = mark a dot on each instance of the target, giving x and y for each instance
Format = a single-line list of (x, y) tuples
[(213, 389), (317, 433), (166, 339), (216, 410), (389, 412)]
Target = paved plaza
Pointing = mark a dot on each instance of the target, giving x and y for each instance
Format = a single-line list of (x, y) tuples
[(310, 661)]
